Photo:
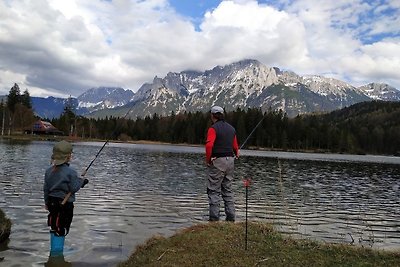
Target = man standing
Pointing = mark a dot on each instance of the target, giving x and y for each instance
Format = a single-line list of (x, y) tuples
[(221, 148)]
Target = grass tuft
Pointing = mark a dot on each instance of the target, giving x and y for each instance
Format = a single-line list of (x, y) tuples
[(223, 244)]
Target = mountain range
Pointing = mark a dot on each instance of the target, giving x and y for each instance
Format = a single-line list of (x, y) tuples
[(90, 101), (244, 84)]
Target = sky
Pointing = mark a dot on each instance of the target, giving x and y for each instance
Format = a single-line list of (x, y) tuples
[(63, 48)]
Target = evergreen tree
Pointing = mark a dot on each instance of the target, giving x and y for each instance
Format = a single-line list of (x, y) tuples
[(3, 116), (26, 99), (67, 120), (372, 127), (13, 98), (20, 109)]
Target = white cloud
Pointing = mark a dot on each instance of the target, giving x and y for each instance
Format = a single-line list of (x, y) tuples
[(375, 61), (235, 31), (335, 35), (66, 47)]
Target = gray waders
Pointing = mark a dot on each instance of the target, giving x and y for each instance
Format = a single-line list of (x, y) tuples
[(220, 184)]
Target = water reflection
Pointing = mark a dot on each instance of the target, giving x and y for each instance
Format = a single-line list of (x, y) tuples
[(57, 261), (136, 191), (332, 202)]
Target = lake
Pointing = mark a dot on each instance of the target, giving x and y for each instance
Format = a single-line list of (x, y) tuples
[(137, 191)]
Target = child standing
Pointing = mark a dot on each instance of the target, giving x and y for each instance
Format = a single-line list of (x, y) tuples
[(60, 180)]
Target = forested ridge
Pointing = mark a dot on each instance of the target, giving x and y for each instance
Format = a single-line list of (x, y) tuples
[(371, 127), (368, 127)]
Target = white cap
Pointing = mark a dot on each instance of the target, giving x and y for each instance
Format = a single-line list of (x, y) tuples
[(217, 109)]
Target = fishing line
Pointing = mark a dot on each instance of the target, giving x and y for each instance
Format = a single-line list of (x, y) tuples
[(293, 226), (258, 124), (96, 156), (98, 153), (247, 184)]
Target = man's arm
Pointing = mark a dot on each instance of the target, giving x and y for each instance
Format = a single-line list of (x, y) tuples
[(235, 146), (211, 136)]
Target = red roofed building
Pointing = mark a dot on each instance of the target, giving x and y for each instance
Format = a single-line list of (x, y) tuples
[(44, 127)]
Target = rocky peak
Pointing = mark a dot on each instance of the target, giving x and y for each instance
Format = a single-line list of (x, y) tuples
[(327, 86), (108, 97), (381, 91)]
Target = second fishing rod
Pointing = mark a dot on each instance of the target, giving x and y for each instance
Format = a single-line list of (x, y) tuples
[(252, 131)]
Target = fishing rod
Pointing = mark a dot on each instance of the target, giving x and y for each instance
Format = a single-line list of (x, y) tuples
[(67, 196), (248, 181), (258, 124)]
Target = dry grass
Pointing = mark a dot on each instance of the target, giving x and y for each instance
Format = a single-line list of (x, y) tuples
[(223, 244)]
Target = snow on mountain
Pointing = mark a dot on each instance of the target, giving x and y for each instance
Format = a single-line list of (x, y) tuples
[(104, 97), (381, 91), (327, 86), (243, 84), (230, 85), (92, 100)]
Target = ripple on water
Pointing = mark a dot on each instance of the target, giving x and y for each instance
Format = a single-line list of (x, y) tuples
[(136, 191)]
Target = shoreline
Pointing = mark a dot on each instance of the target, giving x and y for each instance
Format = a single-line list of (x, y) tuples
[(29, 137)]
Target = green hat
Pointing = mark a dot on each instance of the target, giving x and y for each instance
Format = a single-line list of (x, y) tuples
[(61, 152)]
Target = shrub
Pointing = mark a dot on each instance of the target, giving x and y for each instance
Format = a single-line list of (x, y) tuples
[(5, 227)]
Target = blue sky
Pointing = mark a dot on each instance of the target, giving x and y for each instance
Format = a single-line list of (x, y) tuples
[(194, 9), (61, 48)]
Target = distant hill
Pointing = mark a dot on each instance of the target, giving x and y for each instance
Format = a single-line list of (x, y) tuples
[(243, 84), (92, 100), (367, 127), (51, 107), (371, 112)]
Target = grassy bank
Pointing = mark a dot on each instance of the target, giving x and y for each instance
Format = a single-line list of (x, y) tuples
[(223, 244), (30, 137), (5, 227)]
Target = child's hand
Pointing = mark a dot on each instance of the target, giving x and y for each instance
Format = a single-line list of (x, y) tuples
[(85, 182)]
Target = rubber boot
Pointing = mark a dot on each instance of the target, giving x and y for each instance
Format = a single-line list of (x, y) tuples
[(56, 243)]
